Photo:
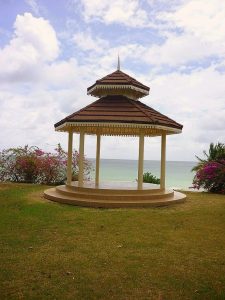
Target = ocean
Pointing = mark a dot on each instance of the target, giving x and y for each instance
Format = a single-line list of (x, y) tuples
[(178, 173)]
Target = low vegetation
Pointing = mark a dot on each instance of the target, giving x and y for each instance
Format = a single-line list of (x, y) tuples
[(150, 178), (53, 251), (33, 165), (210, 171)]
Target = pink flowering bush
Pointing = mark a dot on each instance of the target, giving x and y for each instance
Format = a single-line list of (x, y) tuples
[(210, 173), (32, 165), (211, 177)]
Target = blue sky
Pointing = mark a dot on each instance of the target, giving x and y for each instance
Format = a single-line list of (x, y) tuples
[(51, 51)]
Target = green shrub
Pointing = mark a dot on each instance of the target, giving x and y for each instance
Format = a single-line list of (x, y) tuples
[(150, 178)]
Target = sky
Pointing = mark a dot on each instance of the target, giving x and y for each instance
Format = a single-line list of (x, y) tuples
[(51, 51)]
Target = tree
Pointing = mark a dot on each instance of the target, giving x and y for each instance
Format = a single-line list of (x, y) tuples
[(216, 153)]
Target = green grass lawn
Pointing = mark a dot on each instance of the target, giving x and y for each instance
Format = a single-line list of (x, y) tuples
[(54, 251)]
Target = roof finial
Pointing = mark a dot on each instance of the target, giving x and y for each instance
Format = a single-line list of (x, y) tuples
[(118, 63)]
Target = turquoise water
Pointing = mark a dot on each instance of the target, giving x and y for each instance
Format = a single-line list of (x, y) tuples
[(178, 173)]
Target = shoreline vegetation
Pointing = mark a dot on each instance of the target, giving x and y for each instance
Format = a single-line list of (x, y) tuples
[(33, 165), (210, 170), (55, 251), (30, 164)]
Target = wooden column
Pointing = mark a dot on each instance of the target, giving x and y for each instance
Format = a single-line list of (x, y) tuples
[(81, 160), (140, 161), (97, 159), (69, 159), (163, 162)]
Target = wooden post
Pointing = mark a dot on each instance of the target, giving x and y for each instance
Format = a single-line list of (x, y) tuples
[(163, 162), (69, 158), (81, 160), (140, 161), (97, 159)]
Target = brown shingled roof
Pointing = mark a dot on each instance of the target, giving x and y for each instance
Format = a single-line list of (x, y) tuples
[(120, 109), (120, 78)]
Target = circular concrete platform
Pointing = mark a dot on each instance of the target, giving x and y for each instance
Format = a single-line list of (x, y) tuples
[(113, 195)]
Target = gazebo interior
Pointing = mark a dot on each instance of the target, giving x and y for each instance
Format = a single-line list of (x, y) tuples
[(116, 112)]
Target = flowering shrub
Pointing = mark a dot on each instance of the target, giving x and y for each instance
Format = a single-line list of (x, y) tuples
[(210, 173), (32, 165), (211, 177)]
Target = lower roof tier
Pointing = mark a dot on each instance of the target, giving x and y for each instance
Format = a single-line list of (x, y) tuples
[(118, 115)]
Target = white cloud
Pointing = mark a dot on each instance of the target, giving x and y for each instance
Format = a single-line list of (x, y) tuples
[(38, 33), (195, 100), (85, 41), (181, 49), (28, 119), (202, 18), (34, 6), (194, 43), (193, 32), (124, 12), (101, 64), (60, 74), (33, 43)]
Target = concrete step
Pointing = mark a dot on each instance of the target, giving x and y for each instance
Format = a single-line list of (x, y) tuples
[(110, 189), (54, 195), (89, 194)]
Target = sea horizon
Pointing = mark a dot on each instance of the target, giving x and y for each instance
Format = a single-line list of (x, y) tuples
[(93, 158), (178, 173)]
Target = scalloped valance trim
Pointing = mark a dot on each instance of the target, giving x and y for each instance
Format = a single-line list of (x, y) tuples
[(78, 126), (117, 86)]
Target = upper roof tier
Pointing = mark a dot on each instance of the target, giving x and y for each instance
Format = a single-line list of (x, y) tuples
[(118, 83)]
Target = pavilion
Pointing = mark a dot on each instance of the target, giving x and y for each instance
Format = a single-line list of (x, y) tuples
[(116, 112)]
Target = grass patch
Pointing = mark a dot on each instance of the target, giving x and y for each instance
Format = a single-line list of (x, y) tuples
[(55, 251)]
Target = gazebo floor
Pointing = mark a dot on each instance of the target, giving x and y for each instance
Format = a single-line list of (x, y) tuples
[(113, 195)]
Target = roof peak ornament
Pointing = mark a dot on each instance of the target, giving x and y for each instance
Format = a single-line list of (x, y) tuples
[(118, 63)]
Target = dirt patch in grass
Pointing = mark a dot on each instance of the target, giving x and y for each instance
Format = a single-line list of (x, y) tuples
[(37, 196), (3, 188)]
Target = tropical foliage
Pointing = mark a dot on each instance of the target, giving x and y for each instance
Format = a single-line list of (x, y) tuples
[(150, 178), (33, 165), (216, 153), (210, 172)]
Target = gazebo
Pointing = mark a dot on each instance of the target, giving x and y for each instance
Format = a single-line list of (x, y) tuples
[(116, 112)]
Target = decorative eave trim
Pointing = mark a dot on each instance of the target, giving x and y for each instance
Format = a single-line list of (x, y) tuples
[(125, 125), (117, 86)]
